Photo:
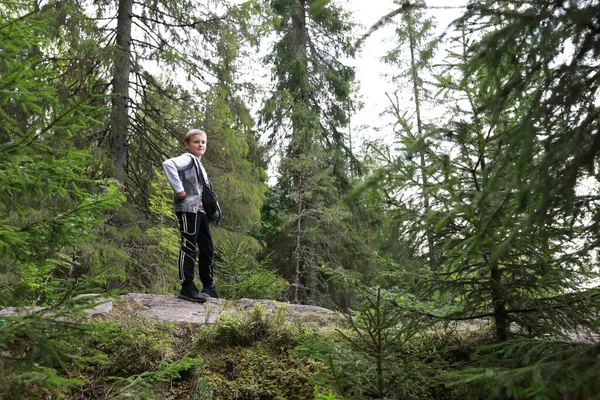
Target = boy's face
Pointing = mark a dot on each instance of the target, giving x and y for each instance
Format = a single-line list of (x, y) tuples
[(196, 145)]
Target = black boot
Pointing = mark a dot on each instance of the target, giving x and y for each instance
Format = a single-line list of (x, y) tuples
[(210, 291), (190, 292)]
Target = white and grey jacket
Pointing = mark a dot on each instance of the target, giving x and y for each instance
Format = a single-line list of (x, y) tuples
[(183, 174)]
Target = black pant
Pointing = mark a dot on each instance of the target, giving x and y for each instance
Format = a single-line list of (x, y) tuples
[(195, 242)]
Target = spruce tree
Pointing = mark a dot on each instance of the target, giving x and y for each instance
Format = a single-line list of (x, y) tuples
[(158, 108), (313, 232), (542, 256), (513, 246), (532, 62), (49, 209), (49, 204), (170, 52), (200, 55), (411, 56)]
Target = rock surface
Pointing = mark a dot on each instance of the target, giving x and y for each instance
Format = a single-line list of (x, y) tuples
[(101, 305), (170, 308)]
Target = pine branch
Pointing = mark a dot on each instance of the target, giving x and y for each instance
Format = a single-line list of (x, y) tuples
[(407, 6), (193, 24)]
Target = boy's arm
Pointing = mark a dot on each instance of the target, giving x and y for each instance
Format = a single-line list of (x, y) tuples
[(171, 167)]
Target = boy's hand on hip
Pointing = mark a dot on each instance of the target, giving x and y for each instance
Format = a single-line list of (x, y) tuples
[(180, 195)]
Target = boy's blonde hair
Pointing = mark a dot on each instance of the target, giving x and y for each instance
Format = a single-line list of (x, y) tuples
[(193, 132)]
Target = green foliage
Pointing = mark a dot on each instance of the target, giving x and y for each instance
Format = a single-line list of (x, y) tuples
[(251, 373), (210, 98), (49, 205), (164, 236), (233, 160), (249, 329), (147, 384), (324, 396), (370, 357), (533, 257), (138, 345), (138, 356), (305, 113), (550, 143), (316, 230), (534, 369), (238, 179), (499, 201), (42, 350), (246, 357), (307, 222), (139, 255), (399, 185), (513, 183), (49, 211), (499, 256), (241, 275)]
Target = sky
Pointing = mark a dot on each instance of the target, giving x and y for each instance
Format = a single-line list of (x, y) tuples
[(369, 123)]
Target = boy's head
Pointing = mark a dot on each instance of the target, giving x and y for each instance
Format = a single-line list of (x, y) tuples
[(195, 142), (191, 133)]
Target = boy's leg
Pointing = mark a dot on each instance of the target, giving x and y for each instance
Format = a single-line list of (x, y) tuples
[(205, 252), (188, 226)]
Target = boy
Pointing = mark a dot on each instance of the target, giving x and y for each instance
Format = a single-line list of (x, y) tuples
[(183, 173)]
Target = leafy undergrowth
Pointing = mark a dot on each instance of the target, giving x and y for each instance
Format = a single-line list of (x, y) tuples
[(248, 358), (405, 369), (260, 355), (241, 357)]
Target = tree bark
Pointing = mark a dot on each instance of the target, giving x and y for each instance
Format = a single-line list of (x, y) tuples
[(499, 304), (299, 268), (120, 113), (299, 38), (299, 43)]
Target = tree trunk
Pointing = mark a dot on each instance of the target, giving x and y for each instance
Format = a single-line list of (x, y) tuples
[(298, 281), (299, 39), (499, 304), (299, 36), (498, 298), (425, 193), (120, 113)]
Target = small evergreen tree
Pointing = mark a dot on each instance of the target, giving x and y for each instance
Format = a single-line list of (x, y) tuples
[(501, 256), (49, 206), (48, 211), (400, 239)]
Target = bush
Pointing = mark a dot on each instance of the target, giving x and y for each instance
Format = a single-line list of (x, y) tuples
[(247, 357), (249, 329), (241, 276), (138, 345)]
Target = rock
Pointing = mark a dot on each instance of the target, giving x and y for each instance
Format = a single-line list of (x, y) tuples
[(18, 311), (104, 305), (170, 308), (101, 305)]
